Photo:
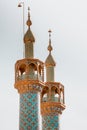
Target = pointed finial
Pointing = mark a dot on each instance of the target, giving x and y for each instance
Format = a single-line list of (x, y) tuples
[(49, 60), (49, 46), (28, 12), (29, 23)]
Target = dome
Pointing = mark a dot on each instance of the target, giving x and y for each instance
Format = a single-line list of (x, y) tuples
[(50, 61), (28, 37)]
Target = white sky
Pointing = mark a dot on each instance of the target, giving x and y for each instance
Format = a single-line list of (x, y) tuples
[(68, 21)]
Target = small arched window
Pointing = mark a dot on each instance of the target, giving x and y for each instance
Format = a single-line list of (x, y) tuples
[(54, 94), (22, 69), (45, 94), (32, 70)]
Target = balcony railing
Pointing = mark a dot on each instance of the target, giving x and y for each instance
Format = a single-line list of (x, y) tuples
[(53, 99), (31, 77)]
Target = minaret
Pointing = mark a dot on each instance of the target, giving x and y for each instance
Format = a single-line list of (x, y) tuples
[(29, 80), (52, 96)]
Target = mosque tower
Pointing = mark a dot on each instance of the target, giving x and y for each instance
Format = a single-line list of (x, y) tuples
[(52, 96), (29, 80)]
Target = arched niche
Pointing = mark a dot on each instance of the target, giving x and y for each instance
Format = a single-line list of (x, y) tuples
[(54, 94), (32, 70), (44, 94), (22, 69)]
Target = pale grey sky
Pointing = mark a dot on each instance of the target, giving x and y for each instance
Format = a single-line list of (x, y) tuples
[(68, 21)]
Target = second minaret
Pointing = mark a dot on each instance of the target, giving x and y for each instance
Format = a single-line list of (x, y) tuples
[(52, 96)]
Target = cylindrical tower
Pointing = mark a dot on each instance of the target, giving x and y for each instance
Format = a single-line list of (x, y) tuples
[(52, 96), (29, 80)]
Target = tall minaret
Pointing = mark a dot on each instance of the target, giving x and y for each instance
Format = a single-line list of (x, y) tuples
[(52, 96), (29, 80)]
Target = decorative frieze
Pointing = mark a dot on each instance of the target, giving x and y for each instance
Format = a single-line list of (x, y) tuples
[(28, 85), (54, 108)]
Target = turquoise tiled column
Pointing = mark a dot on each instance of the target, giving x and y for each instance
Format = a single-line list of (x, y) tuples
[(50, 122), (29, 111)]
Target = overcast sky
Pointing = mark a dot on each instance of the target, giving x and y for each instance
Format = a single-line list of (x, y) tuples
[(68, 21)]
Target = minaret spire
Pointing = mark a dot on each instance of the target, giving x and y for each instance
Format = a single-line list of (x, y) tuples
[(29, 39), (50, 63), (29, 23)]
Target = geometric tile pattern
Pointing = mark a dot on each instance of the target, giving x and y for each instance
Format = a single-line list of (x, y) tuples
[(29, 111), (50, 122)]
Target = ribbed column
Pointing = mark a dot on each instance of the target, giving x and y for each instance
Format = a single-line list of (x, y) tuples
[(29, 111)]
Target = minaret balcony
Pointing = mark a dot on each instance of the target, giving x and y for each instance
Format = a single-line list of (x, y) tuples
[(29, 69), (52, 98), (53, 92), (29, 75)]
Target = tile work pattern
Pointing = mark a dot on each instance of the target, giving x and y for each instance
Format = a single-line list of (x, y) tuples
[(50, 122), (29, 111)]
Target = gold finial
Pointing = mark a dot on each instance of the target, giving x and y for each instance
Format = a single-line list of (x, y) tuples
[(28, 12), (29, 23), (49, 60), (49, 46), (50, 32), (28, 37)]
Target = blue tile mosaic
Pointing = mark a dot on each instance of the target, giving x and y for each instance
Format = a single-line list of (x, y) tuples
[(50, 122), (29, 111)]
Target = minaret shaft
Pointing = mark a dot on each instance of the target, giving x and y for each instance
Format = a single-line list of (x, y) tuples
[(29, 82), (29, 53), (50, 122), (29, 111), (50, 73)]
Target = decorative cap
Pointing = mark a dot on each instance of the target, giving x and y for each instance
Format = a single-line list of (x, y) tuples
[(28, 37), (50, 61)]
